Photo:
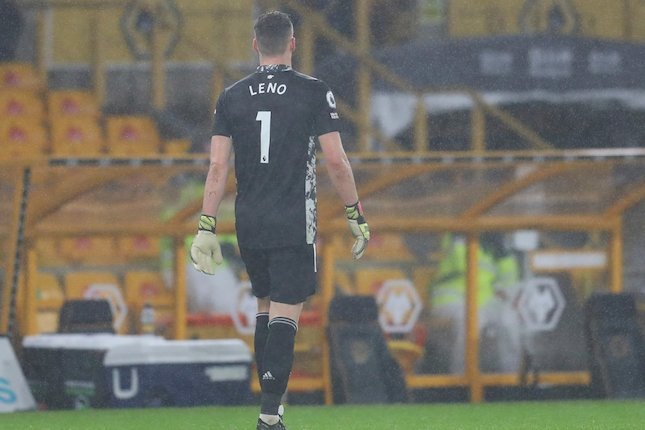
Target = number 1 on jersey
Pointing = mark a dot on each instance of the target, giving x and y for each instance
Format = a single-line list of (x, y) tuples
[(264, 117)]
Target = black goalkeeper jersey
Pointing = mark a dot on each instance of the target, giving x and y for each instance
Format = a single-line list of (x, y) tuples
[(273, 117)]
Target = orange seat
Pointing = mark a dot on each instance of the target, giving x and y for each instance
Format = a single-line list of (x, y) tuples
[(22, 137), (16, 103), (139, 246), (72, 103), (143, 287), (17, 75), (49, 293), (76, 136), (132, 135), (78, 283), (89, 249), (369, 281)]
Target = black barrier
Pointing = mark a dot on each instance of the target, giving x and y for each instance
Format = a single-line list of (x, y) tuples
[(616, 346), (363, 370)]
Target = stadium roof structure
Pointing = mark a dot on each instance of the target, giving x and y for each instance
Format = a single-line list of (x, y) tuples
[(443, 191)]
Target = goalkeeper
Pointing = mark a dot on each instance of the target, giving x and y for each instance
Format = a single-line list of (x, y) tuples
[(271, 119)]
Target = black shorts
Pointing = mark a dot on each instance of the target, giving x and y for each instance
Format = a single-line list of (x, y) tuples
[(286, 275)]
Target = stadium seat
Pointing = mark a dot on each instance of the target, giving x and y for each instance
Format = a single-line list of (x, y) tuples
[(176, 146), (132, 135), (89, 250), (72, 103), (17, 103), (49, 293), (22, 137), (368, 281), (86, 316), (77, 283), (49, 300), (76, 137), (143, 287), (138, 247), (19, 76)]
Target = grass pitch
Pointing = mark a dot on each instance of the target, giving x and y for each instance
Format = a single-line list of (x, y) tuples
[(583, 415)]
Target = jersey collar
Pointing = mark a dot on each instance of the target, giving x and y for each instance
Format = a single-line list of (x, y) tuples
[(273, 68)]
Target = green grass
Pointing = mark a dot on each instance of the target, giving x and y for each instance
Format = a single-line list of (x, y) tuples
[(583, 415)]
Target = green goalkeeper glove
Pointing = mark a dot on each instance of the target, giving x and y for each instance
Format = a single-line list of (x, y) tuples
[(359, 228), (205, 251)]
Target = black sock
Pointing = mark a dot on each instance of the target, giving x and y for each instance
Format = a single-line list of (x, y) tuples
[(277, 362), (260, 340)]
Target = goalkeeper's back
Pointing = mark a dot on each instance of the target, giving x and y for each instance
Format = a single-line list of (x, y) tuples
[(273, 117)]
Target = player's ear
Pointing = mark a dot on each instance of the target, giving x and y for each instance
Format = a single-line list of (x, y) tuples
[(255, 45), (292, 44)]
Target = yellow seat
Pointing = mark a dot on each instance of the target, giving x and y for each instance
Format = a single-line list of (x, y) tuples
[(133, 247), (76, 137), (89, 249), (177, 146), (19, 103), (19, 76), (72, 103), (22, 137), (406, 353), (143, 287), (132, 135), (49, 293), (369, 281), (77, 283)]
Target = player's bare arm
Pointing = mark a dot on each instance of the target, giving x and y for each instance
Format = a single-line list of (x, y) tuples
[(342, 177), (205, 251), (215, 186), (338, 167)]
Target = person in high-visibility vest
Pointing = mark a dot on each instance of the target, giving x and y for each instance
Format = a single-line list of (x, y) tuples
[(496, 272)]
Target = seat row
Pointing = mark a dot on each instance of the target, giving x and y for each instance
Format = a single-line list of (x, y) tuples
[(37, 121)]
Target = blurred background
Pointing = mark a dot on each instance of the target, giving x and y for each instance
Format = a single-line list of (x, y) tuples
[(499, 150)]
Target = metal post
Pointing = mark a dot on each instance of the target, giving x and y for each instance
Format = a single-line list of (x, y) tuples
[(362, 14), (8, 298), (307, 45), (327, 284), (180, 289), (616, 255), (41, 44), (99, 77), (30, 306), (472, 324), (158, 77), (421, 140), (478, 128)]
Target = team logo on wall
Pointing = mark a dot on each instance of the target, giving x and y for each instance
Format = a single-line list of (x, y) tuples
[(246, 308), (549, 16)]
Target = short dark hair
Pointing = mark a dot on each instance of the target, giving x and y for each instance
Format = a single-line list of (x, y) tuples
[(273, 30)]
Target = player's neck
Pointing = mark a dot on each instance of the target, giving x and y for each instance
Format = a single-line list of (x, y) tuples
[(278, 59)]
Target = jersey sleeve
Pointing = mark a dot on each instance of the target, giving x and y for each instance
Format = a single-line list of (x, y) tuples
[(221, 126), (326, 119)]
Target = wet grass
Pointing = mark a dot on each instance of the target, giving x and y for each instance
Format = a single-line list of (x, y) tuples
[(583, 415)]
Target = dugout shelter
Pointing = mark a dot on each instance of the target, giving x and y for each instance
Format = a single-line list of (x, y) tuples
[(64, 219)]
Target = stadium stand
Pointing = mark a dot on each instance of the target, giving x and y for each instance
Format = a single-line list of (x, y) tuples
[(19, 76), (76, 136), (22, 137), (50, 298), (132, 135), (21, 104), (77, 283), (72, 103)]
